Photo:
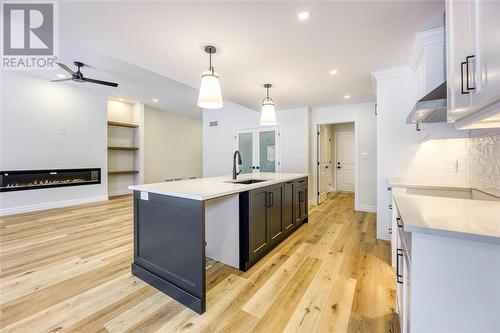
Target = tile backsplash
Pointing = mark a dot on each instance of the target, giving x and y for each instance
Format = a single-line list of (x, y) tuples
[(483, 163)]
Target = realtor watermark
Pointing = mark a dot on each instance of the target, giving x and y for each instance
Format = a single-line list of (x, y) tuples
[(30, 35)]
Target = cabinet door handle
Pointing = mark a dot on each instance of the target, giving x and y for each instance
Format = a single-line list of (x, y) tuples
[(398, 221), (266, 203), (399, 276), (271, 203), (462, 64), (467, 73)]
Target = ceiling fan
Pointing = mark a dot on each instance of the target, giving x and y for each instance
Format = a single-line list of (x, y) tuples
[(78, 75)]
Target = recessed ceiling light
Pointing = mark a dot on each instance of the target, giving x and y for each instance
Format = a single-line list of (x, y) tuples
[(155, 100), (334, 72), (347, 96), (62, 76), (303, 16), (120, 99)]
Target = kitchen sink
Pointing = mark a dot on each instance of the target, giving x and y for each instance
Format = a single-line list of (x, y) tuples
[(248, 181)]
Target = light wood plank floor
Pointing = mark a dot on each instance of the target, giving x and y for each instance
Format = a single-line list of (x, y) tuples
[(68, 270)]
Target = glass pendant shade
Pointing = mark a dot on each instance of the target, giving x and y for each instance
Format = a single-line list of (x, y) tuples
[(268, 115), (210, 96)]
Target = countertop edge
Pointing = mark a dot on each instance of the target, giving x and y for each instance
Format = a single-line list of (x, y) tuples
[(142, 188), (429, 230)]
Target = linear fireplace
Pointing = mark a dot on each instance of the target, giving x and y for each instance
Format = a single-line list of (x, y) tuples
[(20, 180)]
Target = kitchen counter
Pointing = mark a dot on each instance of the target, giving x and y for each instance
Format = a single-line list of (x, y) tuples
[(214, 187), (460, 218), (399, 182)]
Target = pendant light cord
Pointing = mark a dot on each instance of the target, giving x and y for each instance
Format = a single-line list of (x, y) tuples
[(210, 60)]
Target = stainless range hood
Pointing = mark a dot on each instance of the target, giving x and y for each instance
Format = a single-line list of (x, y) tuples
[(431, 108)]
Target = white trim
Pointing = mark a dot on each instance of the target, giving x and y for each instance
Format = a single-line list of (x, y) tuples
[(50, 205), (367, 208), (389, 73), (422, 40), (314, 159), (120, 192)]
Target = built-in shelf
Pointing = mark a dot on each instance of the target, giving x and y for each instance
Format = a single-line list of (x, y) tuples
[(123, 172), (123, 148), (117, 123)]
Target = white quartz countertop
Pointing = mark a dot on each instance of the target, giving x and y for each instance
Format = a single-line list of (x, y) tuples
[(460, 218), (214, 187), (399, 182)]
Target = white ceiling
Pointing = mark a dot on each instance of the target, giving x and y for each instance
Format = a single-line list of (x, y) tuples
[(257, 42)]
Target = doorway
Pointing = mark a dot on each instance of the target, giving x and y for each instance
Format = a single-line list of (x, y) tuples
[(259, 149), (336, 167)]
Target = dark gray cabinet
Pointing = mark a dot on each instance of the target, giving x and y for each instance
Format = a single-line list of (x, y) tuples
[(288, 207), (300, 200), (267, 216), (275, 213), (258, 234)]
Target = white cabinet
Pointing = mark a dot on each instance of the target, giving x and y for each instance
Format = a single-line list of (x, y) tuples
[(486, 48), (473, 57), (458, 47)]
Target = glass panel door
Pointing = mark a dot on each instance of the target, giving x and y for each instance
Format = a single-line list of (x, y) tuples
[(267, 151), (245, 147), (259, 149)]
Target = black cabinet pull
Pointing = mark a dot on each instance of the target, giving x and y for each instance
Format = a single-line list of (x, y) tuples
[(467, 73), (462, 64), (398, 220), (271, 204), (399, 276)]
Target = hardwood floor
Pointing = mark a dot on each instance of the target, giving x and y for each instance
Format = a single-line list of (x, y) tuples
[(68, 270)]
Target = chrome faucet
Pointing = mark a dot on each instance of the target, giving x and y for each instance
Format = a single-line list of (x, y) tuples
[(236, 153)]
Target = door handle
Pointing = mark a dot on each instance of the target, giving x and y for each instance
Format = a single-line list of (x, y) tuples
[(467, 73), (462, 64), (399, 276)]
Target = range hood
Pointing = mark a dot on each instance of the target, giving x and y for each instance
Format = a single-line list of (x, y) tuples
[(431, 108)]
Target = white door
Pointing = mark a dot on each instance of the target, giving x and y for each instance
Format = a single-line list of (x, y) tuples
[(345, 161), (486, 35), (259, 148), (324, 158), (458, 47)]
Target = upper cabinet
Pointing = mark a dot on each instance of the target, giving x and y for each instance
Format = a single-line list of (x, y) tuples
[(473, 63)]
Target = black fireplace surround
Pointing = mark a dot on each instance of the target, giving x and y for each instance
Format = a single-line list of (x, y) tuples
[(21, 180)]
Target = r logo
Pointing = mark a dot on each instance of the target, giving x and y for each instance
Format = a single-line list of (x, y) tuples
[(28, 29)]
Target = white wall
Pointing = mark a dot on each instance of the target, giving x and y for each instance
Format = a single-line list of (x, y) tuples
[(219, 142), (172, 145), (365, 121), (398, 153), (48, 125)]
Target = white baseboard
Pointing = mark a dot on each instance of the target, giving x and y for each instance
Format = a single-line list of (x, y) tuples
[(50, 205), (367, 208), (120, 192)]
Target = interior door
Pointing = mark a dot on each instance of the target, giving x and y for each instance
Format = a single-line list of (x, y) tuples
[(345, 161), (259, 149), (323, 162)]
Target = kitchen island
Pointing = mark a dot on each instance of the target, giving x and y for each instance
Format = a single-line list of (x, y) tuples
[(178, 224)]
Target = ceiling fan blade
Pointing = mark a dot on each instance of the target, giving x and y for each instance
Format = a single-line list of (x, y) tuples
[(66, 68), (106, 83), (68, 79)]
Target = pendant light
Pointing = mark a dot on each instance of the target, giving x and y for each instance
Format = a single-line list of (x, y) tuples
[(268, 115), (210, 96)]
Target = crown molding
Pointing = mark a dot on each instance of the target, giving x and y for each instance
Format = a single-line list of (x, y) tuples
[(390, 73), (422, 40)]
